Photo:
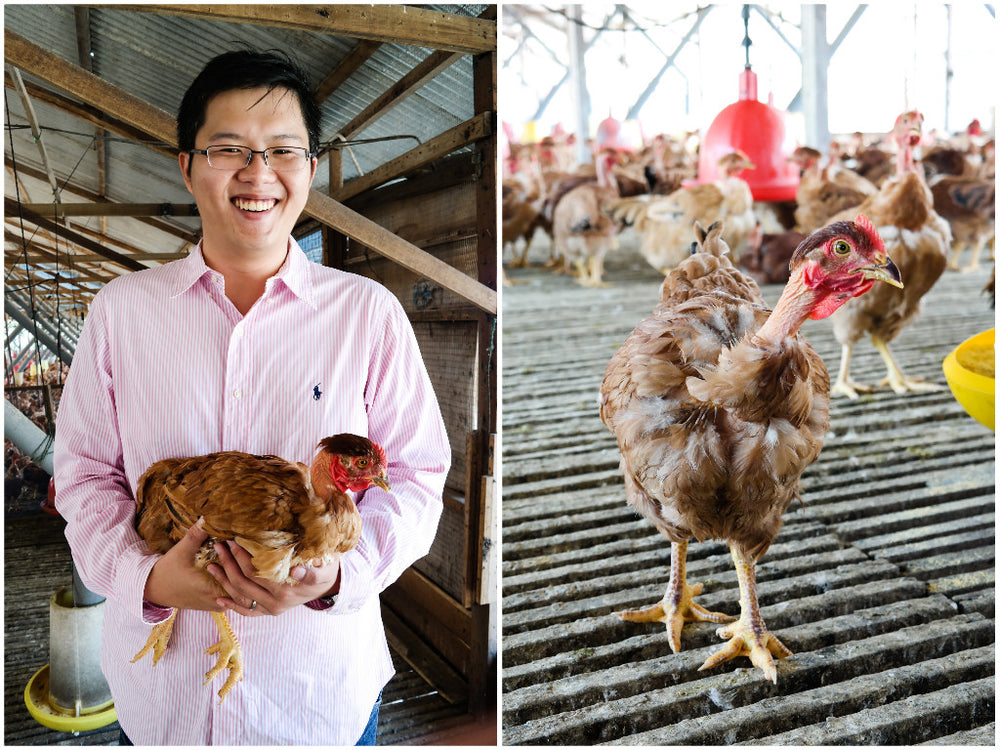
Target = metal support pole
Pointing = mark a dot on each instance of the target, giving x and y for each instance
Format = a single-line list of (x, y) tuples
[(815, 61), (578, 74)]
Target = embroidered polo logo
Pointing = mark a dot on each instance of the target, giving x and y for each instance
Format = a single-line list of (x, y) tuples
[(317, 393)]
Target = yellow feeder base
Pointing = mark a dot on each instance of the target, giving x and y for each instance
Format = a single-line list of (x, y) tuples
[(36, 698)]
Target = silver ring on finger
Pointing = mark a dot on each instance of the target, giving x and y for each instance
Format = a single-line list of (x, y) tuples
[(253, 605)]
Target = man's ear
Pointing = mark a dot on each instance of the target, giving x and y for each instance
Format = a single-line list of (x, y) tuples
[(314, 166), (184, 160)]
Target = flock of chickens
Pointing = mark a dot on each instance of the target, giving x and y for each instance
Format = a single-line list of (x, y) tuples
[(583, 208), (716, 402), (927, 210)]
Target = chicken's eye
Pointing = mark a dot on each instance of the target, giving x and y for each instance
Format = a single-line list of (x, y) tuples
[(362, 462), (842, 247)]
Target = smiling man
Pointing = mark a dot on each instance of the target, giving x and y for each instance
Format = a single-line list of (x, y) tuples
[(246, 345), (249, 167)]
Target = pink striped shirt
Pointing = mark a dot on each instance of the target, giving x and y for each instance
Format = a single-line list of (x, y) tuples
[(166, 366)]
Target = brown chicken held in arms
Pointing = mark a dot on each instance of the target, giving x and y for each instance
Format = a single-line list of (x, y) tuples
[(917, 239), (718, 406), (284, 514)]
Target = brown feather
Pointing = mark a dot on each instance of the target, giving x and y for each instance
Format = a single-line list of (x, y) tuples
[(917, 240), (714, 429), (265, 503)]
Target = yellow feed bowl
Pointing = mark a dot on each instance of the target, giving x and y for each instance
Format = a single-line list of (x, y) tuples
[(969, 370)]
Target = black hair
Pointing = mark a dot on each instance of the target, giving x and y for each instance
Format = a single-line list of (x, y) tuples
[(246, 69)]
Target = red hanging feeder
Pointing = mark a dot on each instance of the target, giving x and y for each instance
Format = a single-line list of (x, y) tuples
[(758, 130)]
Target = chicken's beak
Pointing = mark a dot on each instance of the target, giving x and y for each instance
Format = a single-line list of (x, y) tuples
[(381, 481), (889, 273)]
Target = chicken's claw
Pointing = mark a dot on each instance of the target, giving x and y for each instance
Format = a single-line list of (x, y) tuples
[(895, 378), (230, 656), (749, 638), (849, 388), (901, 384), (676, 608), (158, 639)]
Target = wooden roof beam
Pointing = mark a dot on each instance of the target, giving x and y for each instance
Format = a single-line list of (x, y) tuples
[(88, 113), (385, 243), (181, 233), (408, 84), (399, 24), (68, 77), (112, 209), (52, 69), (468, 132), (11, 208)]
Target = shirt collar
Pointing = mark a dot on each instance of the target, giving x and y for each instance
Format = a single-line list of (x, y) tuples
[(295, 273)]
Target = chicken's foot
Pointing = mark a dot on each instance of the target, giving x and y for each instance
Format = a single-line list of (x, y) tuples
[(520, 259), (748, 636), (844, 386), (589, 273), (230, 655), (678, 605), (972, 265), (894, 375), (158, 639)]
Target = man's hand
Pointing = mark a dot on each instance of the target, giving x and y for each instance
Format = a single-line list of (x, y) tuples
[(174, 580), (235, 574)]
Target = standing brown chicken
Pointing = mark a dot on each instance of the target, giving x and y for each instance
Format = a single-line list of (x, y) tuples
[(665, 222), (820, 194), (284, 514), (918, 240), (582, 232), (718, 405)]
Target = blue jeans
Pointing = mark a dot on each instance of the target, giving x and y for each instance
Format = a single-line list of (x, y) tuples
[(367, 737)]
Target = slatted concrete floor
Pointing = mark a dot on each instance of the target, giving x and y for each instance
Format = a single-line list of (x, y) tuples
[(882, 584), (37, 563)]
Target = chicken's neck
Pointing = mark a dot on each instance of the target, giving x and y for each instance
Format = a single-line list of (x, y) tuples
[(322, 482), (794, 307), (904, 159)]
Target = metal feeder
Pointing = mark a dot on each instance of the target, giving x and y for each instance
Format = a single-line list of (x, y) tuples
[(70, 693)]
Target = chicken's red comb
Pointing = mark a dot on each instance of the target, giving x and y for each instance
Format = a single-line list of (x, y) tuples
[(381, 453), (863, 223)]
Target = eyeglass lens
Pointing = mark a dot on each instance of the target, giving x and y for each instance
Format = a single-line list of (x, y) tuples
[(238, 157)]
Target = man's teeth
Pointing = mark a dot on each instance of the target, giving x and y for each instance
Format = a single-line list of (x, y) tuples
[(245, 204)]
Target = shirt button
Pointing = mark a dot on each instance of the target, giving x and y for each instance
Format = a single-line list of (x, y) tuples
[(237, 393)]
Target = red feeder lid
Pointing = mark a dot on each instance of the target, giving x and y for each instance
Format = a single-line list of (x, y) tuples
[(609, 134), (758, 130)]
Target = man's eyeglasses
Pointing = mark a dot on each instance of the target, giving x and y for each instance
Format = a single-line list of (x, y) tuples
[(278, 158)]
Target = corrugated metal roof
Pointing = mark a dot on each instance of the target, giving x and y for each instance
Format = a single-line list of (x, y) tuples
[(155, 56)]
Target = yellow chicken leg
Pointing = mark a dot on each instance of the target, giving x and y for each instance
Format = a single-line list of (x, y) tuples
[(748, 636), (678, 605), (895, 378), (230, 655), (158, 639), (843, 385)]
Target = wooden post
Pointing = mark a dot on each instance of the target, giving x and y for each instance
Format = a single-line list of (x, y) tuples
[(482, 672), (334, 243)]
